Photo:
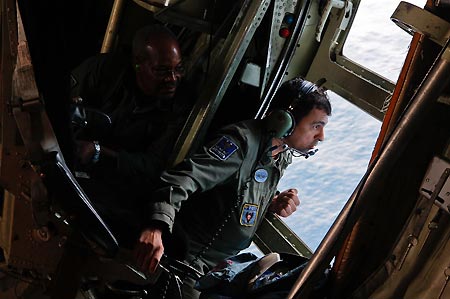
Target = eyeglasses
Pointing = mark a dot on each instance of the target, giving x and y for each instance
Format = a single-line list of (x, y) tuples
[(163, 72)]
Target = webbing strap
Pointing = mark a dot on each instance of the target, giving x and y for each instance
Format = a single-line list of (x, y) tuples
[(27, 106)]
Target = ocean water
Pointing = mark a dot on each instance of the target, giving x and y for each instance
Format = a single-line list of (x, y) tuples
[(326, 180)]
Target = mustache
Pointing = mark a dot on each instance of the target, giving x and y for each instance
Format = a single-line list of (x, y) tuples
[(169, 85)]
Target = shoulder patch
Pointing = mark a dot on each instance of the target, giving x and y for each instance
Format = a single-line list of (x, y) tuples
[(223, 148)]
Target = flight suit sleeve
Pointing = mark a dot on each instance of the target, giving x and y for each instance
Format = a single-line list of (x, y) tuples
[(85, 81), (97, 78), (145, 164), (151, 162), (213, 165)]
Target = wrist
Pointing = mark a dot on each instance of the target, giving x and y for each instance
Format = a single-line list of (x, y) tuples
[(97, 150)]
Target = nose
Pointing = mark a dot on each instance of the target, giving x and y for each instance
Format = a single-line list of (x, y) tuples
[(321, 135), (172, 76)]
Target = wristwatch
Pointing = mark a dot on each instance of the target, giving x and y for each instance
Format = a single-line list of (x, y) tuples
[(96, 155)]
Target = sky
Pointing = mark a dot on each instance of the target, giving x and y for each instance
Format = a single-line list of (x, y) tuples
[(326, 180)]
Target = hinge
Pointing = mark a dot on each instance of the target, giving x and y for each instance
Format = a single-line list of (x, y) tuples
[(436, 184)]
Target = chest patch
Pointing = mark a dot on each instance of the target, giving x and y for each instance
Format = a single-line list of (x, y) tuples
[(249, 214), (223, 149), (261, 175)]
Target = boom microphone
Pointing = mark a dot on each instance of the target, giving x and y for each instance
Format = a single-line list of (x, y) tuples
[(299, 153), (295, 152)]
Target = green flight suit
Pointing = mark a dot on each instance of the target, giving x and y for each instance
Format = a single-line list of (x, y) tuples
[(212, 193)]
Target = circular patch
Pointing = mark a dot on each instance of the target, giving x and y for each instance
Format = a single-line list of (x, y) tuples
[(261, 175)]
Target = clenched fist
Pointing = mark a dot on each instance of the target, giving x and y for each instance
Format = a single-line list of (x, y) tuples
[(285, 203)]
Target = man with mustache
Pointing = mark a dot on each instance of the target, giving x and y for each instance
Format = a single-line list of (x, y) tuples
[(234, 175), (139, 94)]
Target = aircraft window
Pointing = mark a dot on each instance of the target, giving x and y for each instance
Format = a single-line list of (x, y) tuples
[(380, 48), (326, 180)]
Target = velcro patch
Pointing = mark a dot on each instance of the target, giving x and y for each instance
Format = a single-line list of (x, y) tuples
[(223, 149), (249, 214)]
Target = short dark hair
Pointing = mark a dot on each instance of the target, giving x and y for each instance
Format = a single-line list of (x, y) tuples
[(294, 97), (148, 33)]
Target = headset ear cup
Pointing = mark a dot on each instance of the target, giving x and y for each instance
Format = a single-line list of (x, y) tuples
[(280, 123)]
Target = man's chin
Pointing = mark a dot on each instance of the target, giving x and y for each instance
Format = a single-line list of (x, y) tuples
[(303, 149), (166, 95)]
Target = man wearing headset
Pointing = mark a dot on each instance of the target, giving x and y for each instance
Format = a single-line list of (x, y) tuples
[(234, 175)]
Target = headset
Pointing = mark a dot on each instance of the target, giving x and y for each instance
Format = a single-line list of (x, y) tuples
[(281, 122)]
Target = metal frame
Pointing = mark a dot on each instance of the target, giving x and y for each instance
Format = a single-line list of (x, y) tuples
[(361, 86)]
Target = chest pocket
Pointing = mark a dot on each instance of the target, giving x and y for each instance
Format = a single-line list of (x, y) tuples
[(261, 185), (258, 179)]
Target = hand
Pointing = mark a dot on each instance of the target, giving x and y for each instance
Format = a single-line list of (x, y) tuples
[(149, 249), (285, 203), (85, 151)]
